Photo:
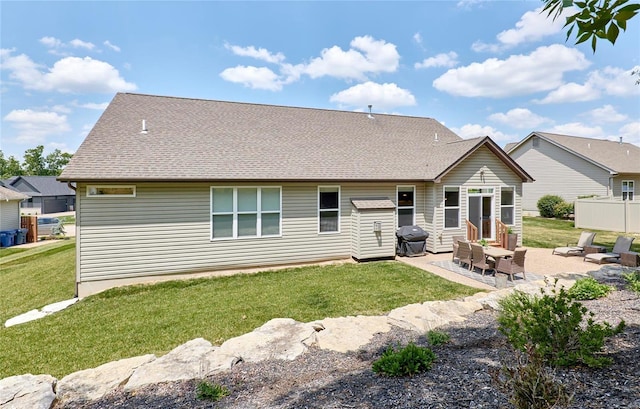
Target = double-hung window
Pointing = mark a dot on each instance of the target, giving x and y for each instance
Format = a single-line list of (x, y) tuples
[(451, 207), (507, 205), (627, 190), (238, 212), (406, 207), (328, 209)]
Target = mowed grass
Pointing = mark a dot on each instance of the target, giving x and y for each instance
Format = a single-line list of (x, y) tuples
[(551, 233), (131, 321)]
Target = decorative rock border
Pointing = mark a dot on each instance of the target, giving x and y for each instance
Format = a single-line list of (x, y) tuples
[(280, 338)]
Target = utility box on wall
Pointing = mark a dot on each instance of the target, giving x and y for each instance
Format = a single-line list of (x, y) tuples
[(373, 228)]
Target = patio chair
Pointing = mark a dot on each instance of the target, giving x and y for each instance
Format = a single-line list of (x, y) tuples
[(464, 253), (456, 239), (512, 265), (622, 245), (480, 260), (586, 239)]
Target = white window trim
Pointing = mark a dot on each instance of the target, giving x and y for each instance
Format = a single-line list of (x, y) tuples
[(90, 187), (330, 210), (444, 207), (235, 212), (627, 191), (511, 205), (413, 208)]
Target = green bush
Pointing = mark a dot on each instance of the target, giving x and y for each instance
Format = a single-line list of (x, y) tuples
[(213, 392), (436, 338), (555, 325), (633, 281), (562, 210), (547, 204), (530, 384), (409, 360), (589, 289)]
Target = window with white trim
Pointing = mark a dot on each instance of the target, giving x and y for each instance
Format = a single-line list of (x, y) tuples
[(406, 206), (328, 209), (451, 207), (628, 190), (111, 190), (239, 212), (507, 205)]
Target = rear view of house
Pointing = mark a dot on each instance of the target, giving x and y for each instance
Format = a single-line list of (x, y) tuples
[(168, 186)]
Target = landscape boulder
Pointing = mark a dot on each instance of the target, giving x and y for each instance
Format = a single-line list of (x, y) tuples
[(349, 333), (27, 391)]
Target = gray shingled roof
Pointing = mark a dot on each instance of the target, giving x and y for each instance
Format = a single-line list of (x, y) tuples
[(381, 203), (615, 156), (42, 186), (202, 140), (8, 194)]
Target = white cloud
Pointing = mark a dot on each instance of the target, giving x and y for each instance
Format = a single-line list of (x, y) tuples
[(519, 118), (62, 146), (532, 26), (542, 70), (68, 75), (631, 133), (61, 109), (257, 53), (34, 127), (94, 105), (449, 59), (606, 113), (570, 92), (77, 43), (51, 42), (577, 129), (253, 77), (381, 96), (469, 131), (417, 37), (365, 56), (114, 47)]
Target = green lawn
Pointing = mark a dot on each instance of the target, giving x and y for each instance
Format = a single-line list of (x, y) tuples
[(551, 233), (138, 320)]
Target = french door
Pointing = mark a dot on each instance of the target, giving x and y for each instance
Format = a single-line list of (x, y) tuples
[(480, 211)]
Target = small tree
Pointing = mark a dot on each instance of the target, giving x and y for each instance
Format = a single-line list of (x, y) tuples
[(547, 205)]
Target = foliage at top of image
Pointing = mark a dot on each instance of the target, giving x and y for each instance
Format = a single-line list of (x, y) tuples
[(35, 163), (559, 327), (589, 289), (406, 361)]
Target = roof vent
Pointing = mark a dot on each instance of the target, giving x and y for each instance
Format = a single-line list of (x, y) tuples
[(589, 145), (144, 127), (621, 140), (369, 115), (435, 138)]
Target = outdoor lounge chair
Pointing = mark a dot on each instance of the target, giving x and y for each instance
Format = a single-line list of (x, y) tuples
[(456, 239), (586, 239), (464, 253), (480, 260), (623, 244), (512, 265)]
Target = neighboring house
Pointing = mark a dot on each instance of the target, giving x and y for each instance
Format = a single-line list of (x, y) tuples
[(10, 208), (174, 185), (571, 166), (47, 195)]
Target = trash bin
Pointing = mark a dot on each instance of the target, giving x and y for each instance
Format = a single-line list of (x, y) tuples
[(411, 241), (21, 236), (7, 238)]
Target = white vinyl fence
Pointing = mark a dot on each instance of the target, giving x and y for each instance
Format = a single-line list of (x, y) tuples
[(604, 213)]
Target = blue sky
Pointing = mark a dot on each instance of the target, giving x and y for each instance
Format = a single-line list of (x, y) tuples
[(496, 68)]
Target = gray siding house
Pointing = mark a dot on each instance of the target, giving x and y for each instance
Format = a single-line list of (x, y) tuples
[(46, 194), (571, 166), (10, 208), (171, 186)]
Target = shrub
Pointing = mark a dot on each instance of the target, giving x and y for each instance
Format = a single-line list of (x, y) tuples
[(530, 384), (562, 210), (437, 338), (546, 205), (555, 325), (409, 360), (633, 281), (213, 392), (589, 289)]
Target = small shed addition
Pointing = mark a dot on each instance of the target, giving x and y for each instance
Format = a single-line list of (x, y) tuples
[(373, 228)]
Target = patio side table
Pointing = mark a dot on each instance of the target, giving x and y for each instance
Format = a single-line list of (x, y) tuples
[(630, 259), (594, 249)]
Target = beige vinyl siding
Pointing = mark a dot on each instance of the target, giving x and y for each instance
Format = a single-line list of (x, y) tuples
[(557, 172), (165, 229), (9, 215), (467, 175), (617, 185), (365, 242)]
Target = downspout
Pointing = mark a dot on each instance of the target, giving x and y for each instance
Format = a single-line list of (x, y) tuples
[(75, 189)]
